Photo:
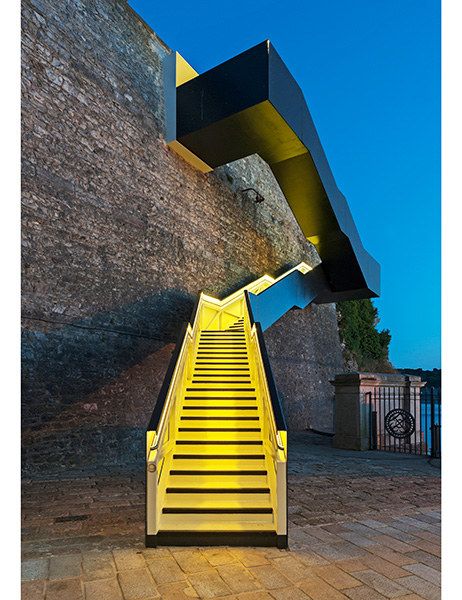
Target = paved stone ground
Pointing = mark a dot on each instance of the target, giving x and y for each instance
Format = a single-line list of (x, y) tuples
[(363, 526)]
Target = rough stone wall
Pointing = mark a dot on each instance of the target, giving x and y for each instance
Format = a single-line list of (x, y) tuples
[(119, 234), (305, 356)]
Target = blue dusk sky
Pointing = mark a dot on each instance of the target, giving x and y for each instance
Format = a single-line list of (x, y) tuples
[(370, 72)]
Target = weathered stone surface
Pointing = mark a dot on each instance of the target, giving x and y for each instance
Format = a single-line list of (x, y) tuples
[(305, 355), (119, 234), (333, 491)]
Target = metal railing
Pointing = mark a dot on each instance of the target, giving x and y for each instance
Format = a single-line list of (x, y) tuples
[(274, 429), (405, 419)]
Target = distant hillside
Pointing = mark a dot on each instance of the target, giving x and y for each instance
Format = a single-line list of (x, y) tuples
[(433, 377)]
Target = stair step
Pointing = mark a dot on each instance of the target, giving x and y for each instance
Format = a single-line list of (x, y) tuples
[(221, 362), (226, 336), (217, 511), (220, 389), (215, 396), (206, 489), (206, 523), (215, 330), (227, 466), (204, 456), (222, 369), (225, 416), (221, 349), (226, 398), (229, 337), (221, 429), (220, 381), (221, 472), (221, 352), (224, 361), (213, 380), (222, 413), (220, 373), (228, 496), (228, 372), (235, 339), (226, 408), (229, 418), (218, 481), (222, 343), (222, 435), (229, 347), (226, 343), (237, 443), (222, 357)]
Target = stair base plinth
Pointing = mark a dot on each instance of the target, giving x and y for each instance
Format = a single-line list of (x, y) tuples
[(217, 538)]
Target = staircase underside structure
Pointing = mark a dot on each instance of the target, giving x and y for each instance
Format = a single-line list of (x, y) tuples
[(216, 446)]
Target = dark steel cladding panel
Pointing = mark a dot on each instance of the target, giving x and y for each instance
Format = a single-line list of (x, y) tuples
[(239, 83), (252, 104)]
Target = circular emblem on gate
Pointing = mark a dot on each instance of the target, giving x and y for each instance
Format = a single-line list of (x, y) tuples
[(399, 423)]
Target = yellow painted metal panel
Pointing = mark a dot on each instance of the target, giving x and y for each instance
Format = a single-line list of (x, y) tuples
[(184, 71), (218, 429)]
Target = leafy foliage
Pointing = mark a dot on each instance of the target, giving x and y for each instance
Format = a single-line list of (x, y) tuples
[(364, 345)]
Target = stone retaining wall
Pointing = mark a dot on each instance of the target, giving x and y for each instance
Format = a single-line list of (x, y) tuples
[(119, 235)]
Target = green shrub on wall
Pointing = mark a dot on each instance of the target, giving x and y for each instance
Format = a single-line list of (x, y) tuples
[(364, 346)]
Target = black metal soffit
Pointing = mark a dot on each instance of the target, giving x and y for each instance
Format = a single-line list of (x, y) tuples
[(251, 104)]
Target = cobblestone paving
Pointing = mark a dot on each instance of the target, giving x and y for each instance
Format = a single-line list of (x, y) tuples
[(363, 526)]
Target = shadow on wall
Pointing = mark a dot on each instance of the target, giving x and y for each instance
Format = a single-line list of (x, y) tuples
[(74, 360)]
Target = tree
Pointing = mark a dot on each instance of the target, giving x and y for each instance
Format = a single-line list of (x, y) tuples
[(363, 343)]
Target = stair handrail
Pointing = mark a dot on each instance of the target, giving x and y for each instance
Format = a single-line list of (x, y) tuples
[(163, 405), (278, 419)]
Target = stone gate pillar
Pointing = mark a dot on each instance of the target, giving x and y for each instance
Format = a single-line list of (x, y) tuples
[(352, 411)]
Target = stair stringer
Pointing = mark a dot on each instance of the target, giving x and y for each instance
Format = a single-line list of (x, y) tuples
[(206, 378)]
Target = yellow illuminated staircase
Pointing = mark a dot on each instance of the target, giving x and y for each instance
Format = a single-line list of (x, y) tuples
[(217, 441)]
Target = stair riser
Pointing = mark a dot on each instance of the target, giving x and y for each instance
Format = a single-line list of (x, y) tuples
[(233, 412), (204, 499), (218, 464), (212, 522), (223, 481), (218, 435), (218, 448)]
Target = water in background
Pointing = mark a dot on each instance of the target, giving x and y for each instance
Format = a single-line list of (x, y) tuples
[(425, 415)]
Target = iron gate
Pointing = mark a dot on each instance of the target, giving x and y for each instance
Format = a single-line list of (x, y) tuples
[(405, 420)]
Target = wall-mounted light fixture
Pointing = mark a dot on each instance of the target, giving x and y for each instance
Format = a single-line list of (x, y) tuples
[(257, 196)]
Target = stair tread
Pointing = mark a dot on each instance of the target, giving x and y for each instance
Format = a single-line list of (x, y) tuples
[(218, 481), (228, 487), (196, 495), (217, 456), (185, 469), (217, 436), (183, 501), (174, 523), (210, 510), (215, 417), (224, 408), (225, 443), (213, 429)]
